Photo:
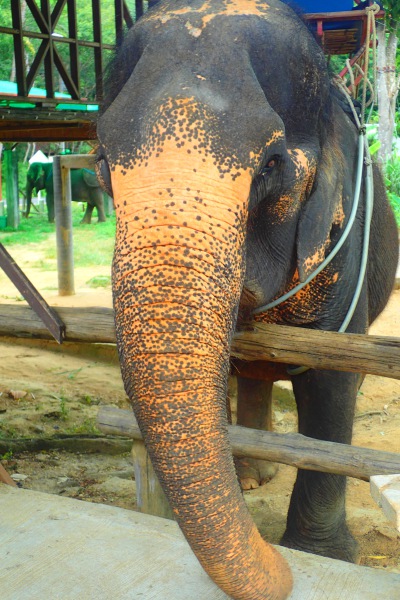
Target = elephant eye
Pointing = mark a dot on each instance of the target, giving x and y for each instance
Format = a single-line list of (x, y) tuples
[(104, 176), (270, 165)]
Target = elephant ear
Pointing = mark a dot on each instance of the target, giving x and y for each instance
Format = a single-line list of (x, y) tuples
[(320, 212), (90, 178)]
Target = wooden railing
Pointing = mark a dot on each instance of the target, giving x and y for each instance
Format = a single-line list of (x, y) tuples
[(50, 59)]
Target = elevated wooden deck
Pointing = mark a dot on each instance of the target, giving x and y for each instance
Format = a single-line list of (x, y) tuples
[(46, 125)]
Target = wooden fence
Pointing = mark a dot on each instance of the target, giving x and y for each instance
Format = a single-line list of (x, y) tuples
[(316, 349), (377, 355)]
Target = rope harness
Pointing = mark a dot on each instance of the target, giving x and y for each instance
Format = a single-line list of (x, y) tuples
[(364, 158)]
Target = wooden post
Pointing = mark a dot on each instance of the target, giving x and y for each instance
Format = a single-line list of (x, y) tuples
[(149, 494), (10, 159), (63, 216)]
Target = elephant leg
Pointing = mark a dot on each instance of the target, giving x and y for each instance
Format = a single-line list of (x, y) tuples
[(317, 518), (254, 410), (50, 207), (87, 217), (101, 214)]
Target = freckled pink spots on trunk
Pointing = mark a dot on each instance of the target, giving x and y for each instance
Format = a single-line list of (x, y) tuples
[(179, 261)]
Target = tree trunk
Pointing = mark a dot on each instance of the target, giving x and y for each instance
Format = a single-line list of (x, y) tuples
[(388, 88)]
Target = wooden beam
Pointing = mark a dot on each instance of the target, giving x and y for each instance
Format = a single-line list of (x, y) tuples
[(346, 15), (289, 448), (44, 132), (46, 124), (373, 354), (95, 325), (47, 315), (319, 349), (78, 161)]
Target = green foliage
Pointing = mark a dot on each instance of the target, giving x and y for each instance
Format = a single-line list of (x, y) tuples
[(392, 180), (20, 150), (7, 455), (395, 203), (392, 173), (85, 32), (392, 8), (373, 149)]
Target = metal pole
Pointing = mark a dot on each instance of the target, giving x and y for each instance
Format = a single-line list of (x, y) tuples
[(63, 216)]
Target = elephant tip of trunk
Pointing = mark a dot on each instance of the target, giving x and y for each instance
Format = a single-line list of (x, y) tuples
[(268, 576), (280, 577), (284, 585)]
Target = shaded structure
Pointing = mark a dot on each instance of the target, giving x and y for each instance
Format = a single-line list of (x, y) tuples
[(31, 114)]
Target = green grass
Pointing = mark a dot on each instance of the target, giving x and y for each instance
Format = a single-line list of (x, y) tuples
[(99, 281), (87, 427), (93, 244), (30, 231)]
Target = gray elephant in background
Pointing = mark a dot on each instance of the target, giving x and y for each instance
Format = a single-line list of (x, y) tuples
[(84, 188)]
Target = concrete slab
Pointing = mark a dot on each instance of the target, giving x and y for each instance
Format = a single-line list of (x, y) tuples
[(385, 490), (64, 549)]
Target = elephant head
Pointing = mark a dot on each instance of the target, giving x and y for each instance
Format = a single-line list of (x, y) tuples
[(213, 146), (35, 179)]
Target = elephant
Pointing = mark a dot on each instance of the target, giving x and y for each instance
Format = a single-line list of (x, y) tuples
[(84, 188), (234, 171)]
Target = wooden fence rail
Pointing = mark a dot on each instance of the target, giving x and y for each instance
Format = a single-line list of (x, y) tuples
[(377, 355), (289, 448)]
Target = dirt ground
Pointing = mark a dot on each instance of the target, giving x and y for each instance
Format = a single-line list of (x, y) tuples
[(47, 390)]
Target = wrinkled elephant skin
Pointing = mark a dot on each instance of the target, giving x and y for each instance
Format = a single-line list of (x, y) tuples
[(232, 168), (84, 188)]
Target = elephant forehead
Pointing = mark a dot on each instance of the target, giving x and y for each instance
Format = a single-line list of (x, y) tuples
[(188, 129), (207, 11)]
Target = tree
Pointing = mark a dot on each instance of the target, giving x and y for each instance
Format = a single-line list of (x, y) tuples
[(388, 77)]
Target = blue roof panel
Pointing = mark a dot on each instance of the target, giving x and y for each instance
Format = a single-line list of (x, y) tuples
[(320, 6)]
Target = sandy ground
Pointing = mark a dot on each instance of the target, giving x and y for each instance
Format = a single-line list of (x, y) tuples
[(47, 390)]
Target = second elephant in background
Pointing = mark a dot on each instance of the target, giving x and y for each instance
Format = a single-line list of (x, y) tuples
[(84, 188)]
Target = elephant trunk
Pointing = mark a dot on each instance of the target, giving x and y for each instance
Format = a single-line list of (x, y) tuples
[(178, 269), (28, 190)]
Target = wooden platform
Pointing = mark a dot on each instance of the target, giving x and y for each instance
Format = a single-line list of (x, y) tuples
[(64, 549)]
